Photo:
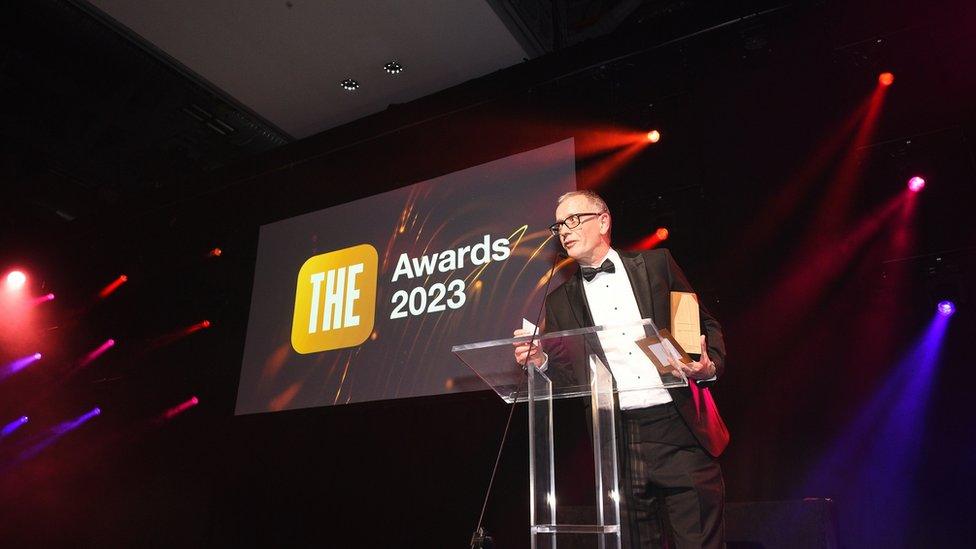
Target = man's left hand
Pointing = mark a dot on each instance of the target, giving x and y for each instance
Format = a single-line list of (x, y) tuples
[(703, 368)]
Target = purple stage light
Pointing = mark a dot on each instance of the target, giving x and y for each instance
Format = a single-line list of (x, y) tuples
[(916, 184), (946, 308), (13, 426), (18, 365), (881, 446), (57, 432)]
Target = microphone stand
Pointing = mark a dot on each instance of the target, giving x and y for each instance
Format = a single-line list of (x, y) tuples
[(480, 538)]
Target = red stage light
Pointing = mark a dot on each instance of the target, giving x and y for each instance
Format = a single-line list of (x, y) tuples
[(112, 286), (652, 239), (886, 79), (215, 252), (16, 280), (195, 328), (653, 136)]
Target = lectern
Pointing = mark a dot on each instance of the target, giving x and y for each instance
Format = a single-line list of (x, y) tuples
[(580, 363)]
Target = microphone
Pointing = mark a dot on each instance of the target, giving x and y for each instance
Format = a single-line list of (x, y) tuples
[(480, 538)]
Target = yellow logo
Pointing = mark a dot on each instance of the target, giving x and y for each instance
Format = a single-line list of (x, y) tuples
[(335, 302)]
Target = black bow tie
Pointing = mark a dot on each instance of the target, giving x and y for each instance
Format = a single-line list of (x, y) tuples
[(590, 272)]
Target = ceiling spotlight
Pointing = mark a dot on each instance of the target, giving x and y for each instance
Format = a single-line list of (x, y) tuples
[(349, 84), (393, 67), (946, 308), (886, 79)]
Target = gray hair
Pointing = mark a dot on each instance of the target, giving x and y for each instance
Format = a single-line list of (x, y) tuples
[(596, 199)]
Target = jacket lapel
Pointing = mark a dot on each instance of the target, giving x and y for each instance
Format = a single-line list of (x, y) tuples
[(577, 301), (639, 281)]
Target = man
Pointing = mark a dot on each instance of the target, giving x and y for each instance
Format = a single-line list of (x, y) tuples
[(671, 437)]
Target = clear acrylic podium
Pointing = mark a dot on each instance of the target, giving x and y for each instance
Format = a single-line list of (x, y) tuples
[(580, 364)]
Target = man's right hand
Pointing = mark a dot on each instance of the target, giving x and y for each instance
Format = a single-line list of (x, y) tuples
[(522, 356)]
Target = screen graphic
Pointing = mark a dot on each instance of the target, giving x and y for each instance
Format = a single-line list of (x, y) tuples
[(363, 301)]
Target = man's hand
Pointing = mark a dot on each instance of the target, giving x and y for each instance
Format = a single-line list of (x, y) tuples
[(699, 369), (535, 359)]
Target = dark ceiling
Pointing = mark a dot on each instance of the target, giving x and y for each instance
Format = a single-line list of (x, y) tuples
[(97, 122)]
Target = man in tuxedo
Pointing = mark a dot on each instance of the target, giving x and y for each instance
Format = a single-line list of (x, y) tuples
[(672, 483)]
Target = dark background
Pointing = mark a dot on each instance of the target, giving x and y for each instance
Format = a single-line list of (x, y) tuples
[(761, 211)]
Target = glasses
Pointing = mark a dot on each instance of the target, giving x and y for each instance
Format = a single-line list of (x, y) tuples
[(571, 222)]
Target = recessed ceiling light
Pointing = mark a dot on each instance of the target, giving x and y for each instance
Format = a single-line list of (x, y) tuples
[(349, 84), (393, 67)]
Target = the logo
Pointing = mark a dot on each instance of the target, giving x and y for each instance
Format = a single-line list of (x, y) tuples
[(335, 301)]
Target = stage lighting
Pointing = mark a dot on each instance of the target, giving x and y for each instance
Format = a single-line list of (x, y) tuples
[(916, 184), (215, 252), (946, 308), (653, 136), (662, 233), (16, 280), (90, 357), (205, 323), (13, 426), (886, 79), (349, 84), (393, 67), (112, 286)]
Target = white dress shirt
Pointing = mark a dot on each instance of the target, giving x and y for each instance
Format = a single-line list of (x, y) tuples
[(612, 302)]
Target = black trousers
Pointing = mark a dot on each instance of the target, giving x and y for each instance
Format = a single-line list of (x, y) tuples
[(674, 494)]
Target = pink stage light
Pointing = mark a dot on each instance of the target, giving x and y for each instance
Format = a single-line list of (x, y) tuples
[(181, 407), (90, 357), (43, 299), (16, 280), (916, 184)]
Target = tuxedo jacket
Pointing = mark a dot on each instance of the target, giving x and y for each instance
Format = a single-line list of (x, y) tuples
[(653, 276)]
